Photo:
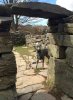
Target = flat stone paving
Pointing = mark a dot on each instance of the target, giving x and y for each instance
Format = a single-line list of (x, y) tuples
[(29, 84)]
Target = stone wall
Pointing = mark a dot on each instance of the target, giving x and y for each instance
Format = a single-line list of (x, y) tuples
[(7, 63), (18, 38), (32, 39), (28, 39), (60, 70)]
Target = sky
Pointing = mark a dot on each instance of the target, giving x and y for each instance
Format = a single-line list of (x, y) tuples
[(48, 1), (68, 4)]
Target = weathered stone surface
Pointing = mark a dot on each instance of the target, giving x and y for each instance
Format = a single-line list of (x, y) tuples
[(53, 28), (25, 97), (29, 80), (68, 40), (5, 24), (5, 44), (51, 73), (61, 74), (7, 70), (69, 56), (30, 88), (55, 38), (61, 40), (38, 10), (68, 25), (9, 94), (56, 51), (60, 28), (68, 19), (7, 65), (65, 97), (68, 28), (42, 95), (5, 11), (7, 81)]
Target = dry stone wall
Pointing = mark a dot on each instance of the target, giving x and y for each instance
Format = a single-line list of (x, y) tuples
[(19, 38), (60, 70), (32, 39), (7, 63)]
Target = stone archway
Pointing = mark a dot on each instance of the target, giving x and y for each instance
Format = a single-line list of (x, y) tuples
[(8, 74)]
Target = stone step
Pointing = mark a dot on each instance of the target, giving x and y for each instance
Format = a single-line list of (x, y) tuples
[(42, 95)]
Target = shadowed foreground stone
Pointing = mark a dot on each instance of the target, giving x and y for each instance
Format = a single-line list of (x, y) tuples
[(25, 97), (56, 51), (61, 75), (42, 95), (7, 65), (5, 44), (68, 19), (69, 56), (8, 94), (65, 97), (7, 59)]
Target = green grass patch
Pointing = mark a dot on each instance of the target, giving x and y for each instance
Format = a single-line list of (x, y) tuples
[(23, 51)]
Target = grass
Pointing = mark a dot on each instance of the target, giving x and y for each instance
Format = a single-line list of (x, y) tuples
[(23, 51)]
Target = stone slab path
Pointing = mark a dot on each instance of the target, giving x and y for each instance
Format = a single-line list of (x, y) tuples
[(30, 81)]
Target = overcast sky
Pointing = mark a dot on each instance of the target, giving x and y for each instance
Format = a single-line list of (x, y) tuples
[(65, 3), (68, 4)]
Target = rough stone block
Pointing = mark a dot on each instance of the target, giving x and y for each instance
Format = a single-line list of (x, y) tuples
[(68, 25), (68, 28), (53, 28), (60, 28), (67, 40), (56, 51), (5, 24), (68, 19), (61, 75), (40, 95), (55, 38), (51, 73), (69, 56), (5, 44), (7, 81), (7, 65), (61, 40), (7, 70), (9, 94)]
